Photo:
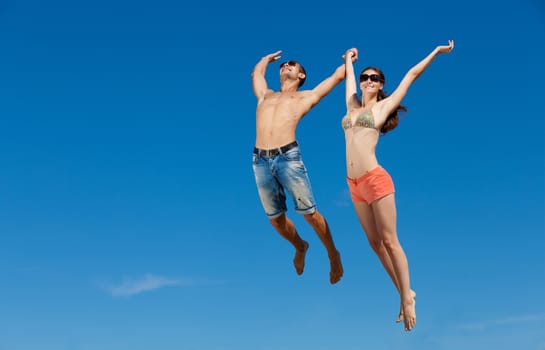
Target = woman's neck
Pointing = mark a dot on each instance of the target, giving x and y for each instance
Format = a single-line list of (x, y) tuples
[(368, 101)]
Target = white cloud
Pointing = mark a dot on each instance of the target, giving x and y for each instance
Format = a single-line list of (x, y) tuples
[(477, 326), (133, 286)]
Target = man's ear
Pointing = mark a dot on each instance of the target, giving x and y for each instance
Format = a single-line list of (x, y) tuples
[(301, 75)]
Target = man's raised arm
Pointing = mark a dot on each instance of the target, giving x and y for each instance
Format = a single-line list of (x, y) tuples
[(258, 75), (328, 84)]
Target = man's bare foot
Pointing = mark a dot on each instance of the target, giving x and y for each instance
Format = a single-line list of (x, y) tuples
[(336, 271), (400, 316), (299, 260), (409, 314)]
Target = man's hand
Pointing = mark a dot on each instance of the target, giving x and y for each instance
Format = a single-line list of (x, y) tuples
[(352, 54), (273, 56)]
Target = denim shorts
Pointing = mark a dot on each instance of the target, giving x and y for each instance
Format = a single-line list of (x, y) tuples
[(283, 173)]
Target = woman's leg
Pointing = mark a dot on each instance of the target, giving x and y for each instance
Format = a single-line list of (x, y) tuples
[(384, 212), (367, 221)]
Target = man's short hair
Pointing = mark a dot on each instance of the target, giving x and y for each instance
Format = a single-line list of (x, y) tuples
[(302, 81)]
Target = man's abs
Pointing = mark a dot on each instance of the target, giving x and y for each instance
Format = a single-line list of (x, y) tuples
[(275, 125)]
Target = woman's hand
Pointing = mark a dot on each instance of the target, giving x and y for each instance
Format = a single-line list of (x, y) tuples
[(446, 48)]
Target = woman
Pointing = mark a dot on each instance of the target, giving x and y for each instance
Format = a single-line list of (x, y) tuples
[(371, 187)]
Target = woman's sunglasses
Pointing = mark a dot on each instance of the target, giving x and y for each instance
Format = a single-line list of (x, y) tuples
[(374, 77)]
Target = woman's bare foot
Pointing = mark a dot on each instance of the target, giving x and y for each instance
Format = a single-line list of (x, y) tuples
[(299, 260), (409, 314), (400, 316), (336, 271)]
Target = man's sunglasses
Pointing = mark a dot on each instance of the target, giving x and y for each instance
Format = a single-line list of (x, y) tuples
[(288, 63), (374, 77)]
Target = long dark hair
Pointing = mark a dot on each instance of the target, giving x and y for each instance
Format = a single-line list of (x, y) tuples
[(393, 119)]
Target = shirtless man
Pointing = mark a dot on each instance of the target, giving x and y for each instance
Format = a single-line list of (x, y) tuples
[(277, 162)]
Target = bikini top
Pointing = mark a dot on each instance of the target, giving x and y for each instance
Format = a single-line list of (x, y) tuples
[(364, 120)]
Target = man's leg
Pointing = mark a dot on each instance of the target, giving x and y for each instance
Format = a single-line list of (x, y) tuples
[(285, 227), (273, 199), (293, 176), (320, 226)]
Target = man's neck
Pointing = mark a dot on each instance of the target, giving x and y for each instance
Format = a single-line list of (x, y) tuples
[(289, 86)]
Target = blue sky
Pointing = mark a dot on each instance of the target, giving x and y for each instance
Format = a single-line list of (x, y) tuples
[(129, 217)]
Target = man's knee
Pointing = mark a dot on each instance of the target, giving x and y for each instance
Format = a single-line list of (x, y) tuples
[(314, 218), (279, 221)]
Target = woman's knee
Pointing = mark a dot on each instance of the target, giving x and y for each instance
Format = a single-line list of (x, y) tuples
[(391, 243), (375, 244)]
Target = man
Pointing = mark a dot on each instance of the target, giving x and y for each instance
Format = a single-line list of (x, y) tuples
[(277, 162)]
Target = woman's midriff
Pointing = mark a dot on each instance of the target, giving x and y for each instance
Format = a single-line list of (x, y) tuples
[(360, 152)]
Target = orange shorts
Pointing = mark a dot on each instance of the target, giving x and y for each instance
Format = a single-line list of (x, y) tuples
[(371, 186)]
